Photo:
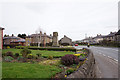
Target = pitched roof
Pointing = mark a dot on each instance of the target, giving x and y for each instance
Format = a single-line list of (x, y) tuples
[(64, 37), (111, 34), (1, 28), (43, 35), (20, 40), (118, 33), (11, 37)]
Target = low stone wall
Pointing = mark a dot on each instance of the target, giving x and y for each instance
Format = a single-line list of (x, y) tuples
[(87, 70)]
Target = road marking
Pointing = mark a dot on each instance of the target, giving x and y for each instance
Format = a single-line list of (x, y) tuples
[(103, 54), (99, 72), (99, 53), (115, 60)]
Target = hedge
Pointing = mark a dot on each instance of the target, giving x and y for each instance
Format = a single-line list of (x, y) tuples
[(48, 48)]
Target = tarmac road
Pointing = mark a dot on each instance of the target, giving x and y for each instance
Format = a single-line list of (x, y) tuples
[(106, 60)]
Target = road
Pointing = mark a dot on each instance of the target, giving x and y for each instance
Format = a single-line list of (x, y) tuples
[(106, 60)]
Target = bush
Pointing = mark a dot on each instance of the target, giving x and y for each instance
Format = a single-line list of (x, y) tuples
[(8, 58), (16, 55), (9, 54), (69, 59), (39, 55), (69, 71), (25, 52), (50, 49), (77, 55), (35, 57), (20, 58), (30, 57), (3, 55), (50, 57), (8, 47)]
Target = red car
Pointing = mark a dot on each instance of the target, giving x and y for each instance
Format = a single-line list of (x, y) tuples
[(76, 44)]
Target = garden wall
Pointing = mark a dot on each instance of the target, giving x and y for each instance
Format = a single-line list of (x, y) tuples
[(87, 70)]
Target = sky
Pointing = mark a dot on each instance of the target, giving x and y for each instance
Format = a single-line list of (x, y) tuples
[(73, 18)]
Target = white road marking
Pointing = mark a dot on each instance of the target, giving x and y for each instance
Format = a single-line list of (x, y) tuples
[(99, 71), (115, 60), (103, 54)]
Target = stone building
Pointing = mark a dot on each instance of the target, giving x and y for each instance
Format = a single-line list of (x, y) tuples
[(13, 41), (117, 35), (1, 37), (98, 39), (38, 39), (110, 37), (65, 41)]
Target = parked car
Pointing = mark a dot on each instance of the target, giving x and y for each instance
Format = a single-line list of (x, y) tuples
[(76, 44)]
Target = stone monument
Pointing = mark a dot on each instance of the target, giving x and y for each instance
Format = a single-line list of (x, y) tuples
[(55, 39)]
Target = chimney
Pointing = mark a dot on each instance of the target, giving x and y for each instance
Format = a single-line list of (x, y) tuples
[(40, 32), (97, 35), (12, 35), (44, 33)]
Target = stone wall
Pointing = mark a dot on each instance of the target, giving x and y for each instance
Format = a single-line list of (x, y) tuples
[(87, 70)]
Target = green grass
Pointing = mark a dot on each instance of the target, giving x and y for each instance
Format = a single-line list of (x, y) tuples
[(27, 70), (43, 52)]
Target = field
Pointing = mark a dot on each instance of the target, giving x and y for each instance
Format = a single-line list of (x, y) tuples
[(43, 52), (27, 70)]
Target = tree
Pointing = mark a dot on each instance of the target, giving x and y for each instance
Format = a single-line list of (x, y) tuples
[(5, 35), (22, 35)]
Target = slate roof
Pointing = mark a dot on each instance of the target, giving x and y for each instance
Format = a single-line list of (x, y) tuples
[(11, 37), (43, 35), (111, 34), (1, 28), (21, 40), (118, 33)]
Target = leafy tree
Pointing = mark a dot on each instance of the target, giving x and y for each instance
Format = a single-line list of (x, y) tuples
[(5, 35), (25, 52), (22, 35)]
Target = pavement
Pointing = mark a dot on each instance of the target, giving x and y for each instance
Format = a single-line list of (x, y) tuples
[(106, 60)]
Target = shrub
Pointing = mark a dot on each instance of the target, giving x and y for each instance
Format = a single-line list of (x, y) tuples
[(39, 55), (77, 55), (35, 57), (8, 47), (69, 71), (8, 58), (69, 59), (51, 49), (30, 57), (25, 52), (50, 57), (16, 55), (3, 54), (20, 58), (9, 54)]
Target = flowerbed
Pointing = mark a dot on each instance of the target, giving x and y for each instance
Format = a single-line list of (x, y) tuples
[(67, 62)]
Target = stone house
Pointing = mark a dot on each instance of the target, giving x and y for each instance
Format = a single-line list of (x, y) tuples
[(98, 38), (117, 36), (13, 41), (41, 39), (1, 37), (65, 41), (110, 37)]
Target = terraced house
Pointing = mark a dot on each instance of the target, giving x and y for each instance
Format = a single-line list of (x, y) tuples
[(118, 36), (1, 37)]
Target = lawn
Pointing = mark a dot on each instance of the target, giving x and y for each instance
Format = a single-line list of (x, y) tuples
[(43, 52), (27, 70)]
